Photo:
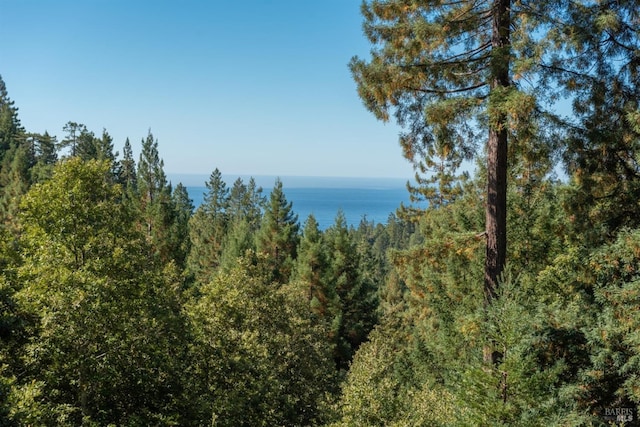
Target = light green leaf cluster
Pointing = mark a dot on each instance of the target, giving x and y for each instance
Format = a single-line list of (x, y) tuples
[(262, 360), (104, 321)]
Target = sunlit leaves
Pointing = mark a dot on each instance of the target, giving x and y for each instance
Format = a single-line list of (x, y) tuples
[(94, 298), (261, 360)]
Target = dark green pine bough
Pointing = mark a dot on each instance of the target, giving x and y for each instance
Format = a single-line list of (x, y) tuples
[(459, 74)]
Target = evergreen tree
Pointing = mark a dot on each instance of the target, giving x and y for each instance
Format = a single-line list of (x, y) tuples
[(154, 198), (448, 70), (86, 146), (128, 168), (245, 202), (83, 143), (71, 141), (356, 296), (244, 213), (10, 127), (46, 156), (604, 291), (104, 148), (180, 233), (15, 157), (15, 178), (278, 236), (208, 228), (12, 327), (312, 269), (604, 139)]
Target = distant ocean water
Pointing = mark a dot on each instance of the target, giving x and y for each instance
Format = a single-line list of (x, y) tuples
[(374, 199)]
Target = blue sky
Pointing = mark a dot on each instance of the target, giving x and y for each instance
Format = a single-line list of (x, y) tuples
[(251, 87)]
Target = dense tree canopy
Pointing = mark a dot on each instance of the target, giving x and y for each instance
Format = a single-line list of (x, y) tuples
[(121, 303)]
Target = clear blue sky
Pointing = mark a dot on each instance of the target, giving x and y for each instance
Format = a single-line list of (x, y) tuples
[(253, 87)]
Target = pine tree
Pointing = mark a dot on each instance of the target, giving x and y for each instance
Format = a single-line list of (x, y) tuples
[(312, 268), (208, 228), (10, 126), (244, 215), (154, 198), (278, 236), (180, 232), (356, 296), (46, 156), (71, 141), (127, 170), (452, 72)]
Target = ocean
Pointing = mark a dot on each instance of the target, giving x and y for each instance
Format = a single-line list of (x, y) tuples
[(371, 198)]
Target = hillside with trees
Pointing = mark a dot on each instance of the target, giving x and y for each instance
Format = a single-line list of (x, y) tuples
[(512, 299)]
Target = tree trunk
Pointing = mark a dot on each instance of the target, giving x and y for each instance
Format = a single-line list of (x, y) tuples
[(496, 209)]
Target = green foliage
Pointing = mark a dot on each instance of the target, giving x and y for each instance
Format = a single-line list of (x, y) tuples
[(127, 169), (183, 210), (244, 213), (95, 328), (516, 390), (245, 203), (46, 156), (10, 127), (208, 228), (15, 179), (258, 357), (356, 295), (104, 323), (611, 380), (312, 268), (376, 394), (446, 73), (154, 200), (278, 236)]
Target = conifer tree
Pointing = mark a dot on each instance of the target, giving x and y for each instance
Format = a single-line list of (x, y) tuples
[(246, 202), (86, 146), (46, 156), (10, 127), (244, 213), (104, 148), (455, 74), (604, 139), (181, 242), (15, 157), (312, 268), (154, 198), (208, 228), (356, 296), (15, 178), (128, 167), (75, 131), (278, 236)]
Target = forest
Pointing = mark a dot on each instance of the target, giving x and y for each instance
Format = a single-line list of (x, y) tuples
[(512, 299)]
